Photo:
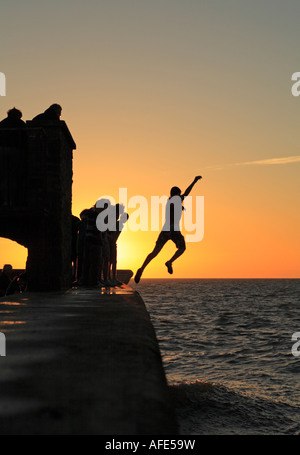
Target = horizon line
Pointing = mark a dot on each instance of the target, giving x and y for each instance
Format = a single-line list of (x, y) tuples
[(222, 278)]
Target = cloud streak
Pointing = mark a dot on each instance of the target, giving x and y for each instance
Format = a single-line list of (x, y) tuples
[(284, 160), (266, 162)]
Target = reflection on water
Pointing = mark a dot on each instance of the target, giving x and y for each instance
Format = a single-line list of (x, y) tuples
[(123, 289), (12, 303), (13, 313), (115, 290), (6, 326), (11, 322)]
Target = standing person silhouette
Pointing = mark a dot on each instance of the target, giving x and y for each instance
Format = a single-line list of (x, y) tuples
[(52, 114), (121, 219), (170, 230), (13, 119)]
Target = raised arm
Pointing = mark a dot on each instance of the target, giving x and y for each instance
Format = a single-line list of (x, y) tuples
[(189, 188)]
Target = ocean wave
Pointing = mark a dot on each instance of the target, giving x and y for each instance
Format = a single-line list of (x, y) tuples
[(212, 408), (236, 333)]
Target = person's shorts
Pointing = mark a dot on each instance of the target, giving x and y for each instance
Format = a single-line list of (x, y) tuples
[(175, 236)]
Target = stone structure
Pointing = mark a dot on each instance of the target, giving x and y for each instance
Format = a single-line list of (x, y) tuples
[(36, 198)]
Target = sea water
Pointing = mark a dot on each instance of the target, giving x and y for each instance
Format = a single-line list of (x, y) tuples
[(226, 347)]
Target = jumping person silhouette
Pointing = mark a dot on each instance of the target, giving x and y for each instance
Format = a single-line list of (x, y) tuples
[(170, 230)]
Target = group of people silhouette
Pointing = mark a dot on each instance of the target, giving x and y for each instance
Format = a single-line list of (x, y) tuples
[(14, 117), (94, 252)]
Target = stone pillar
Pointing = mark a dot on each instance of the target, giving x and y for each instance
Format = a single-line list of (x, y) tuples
[(49, 254), (41, 218)]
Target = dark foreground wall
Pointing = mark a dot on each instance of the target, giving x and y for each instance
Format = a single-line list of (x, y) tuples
[(85, 362)]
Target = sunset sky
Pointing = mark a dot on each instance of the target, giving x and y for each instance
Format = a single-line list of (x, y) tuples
[(156, 92)]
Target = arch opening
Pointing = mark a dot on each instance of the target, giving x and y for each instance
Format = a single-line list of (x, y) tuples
[(12, 253)]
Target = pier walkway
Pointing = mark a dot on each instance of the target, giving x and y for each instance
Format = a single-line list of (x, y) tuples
[(83, 362)]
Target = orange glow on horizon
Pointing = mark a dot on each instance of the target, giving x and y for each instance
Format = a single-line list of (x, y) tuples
[(241, 238)]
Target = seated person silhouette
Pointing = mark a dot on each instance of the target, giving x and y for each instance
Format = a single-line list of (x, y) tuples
[(170, 230), (52, 114), (13, 119), (5, 279)]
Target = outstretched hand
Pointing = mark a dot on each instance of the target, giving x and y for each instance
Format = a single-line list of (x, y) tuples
[(189, 188)]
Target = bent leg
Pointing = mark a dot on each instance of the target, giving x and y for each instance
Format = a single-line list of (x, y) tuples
[(178, 253), (151, 256), (180, 244)]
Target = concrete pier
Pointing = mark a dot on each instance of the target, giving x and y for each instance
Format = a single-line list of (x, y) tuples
[(85, 362)]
